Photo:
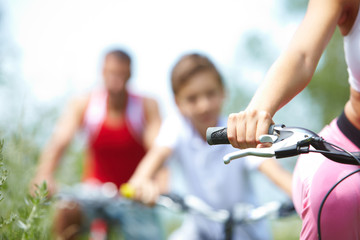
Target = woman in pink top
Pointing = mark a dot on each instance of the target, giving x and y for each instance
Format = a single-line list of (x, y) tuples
[(289, 75)]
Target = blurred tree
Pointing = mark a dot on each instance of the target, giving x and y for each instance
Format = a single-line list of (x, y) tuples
[(329, 86)]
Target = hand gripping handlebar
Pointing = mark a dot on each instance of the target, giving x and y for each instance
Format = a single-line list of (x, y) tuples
[(286, 142), (218, 135)]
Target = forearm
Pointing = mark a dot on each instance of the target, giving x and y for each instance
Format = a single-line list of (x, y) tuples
[(288, 76), (150, 134), (143, 181), (294, 69), (277, 174), (153, 122), (161, 179), (284, 181), (151, 163)]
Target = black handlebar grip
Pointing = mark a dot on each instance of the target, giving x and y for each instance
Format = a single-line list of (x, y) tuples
[(217, 135)]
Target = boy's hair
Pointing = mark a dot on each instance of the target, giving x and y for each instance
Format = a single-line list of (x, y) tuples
[(119, 54), (188, 66)]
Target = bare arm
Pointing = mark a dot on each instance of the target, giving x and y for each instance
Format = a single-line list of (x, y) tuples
[(65, 130), (153, 121), (295, 67), (277, 174), (290, 73), (151, 163), (143, 178)]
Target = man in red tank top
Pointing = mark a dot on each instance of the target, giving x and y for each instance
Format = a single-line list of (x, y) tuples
[(114, 153), (120, 127)]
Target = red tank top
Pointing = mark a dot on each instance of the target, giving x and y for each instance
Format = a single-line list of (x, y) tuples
[(114, 153)]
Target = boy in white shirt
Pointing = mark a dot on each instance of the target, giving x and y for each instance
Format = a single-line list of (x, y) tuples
[(199, 95)]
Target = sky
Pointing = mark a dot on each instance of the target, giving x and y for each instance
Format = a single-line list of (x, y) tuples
[(61, 42)]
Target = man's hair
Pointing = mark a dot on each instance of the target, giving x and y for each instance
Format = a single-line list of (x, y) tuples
[(119, 54), (188, 66)]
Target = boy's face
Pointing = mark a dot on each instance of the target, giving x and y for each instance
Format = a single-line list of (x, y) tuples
[(200, 100), (116, 73)]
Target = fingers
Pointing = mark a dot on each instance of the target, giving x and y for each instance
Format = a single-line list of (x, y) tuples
[(235, 130), (251, 127), (146, 191), (244, 128), (151, 194), (264, 122), (263, 127)]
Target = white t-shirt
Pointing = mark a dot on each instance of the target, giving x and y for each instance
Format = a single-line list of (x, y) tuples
[(207, 177)]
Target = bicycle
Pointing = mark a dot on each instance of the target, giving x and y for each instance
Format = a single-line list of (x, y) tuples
[(288, 142), (106, 200), (106, 210), (241, 213)]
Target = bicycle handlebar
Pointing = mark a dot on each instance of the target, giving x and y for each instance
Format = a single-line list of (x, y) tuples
[(240, 213), (105, 196), (286, 142), (218, 135)]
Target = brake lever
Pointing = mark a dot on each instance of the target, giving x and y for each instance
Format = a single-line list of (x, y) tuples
[(292, 135), (258, 152), (286, 142), (267, 138)]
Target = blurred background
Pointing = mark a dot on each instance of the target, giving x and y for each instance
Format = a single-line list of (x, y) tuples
[(51, 51)]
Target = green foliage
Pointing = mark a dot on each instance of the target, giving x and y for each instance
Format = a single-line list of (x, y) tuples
[(3, 171), (37, 208), (259, 50), (329, 87), (4, 221), (20, 213)]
